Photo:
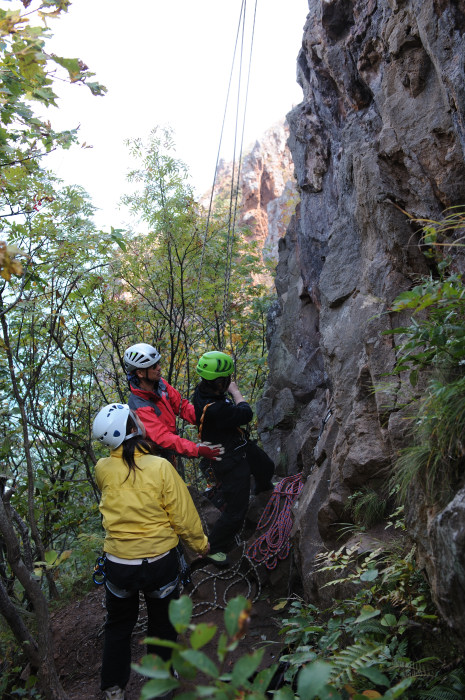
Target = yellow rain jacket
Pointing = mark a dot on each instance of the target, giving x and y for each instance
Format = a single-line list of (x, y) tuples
[(145, 514)]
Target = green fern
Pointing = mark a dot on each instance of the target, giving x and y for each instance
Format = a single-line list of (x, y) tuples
[(347, 661), (441, 693), (419, 669), (369, 627), (402, 649), (451, 687)]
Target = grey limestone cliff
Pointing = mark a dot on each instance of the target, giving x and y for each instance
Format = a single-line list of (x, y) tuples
[(380, 131)]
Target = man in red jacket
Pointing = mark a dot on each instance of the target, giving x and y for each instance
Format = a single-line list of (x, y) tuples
[(158, 404)]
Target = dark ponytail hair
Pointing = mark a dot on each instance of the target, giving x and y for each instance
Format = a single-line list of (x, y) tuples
[(218, 385), (142, 444)]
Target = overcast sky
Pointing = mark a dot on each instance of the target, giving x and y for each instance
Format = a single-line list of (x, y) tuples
[(168, 63)]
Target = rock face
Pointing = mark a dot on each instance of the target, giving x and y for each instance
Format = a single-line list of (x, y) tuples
[(380, 131), (268, 189)]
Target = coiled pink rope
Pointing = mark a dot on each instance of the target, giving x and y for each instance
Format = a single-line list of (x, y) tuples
[(276, 521)]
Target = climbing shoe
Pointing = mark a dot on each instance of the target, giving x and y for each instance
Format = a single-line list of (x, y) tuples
[(218, 559), (114, 693)]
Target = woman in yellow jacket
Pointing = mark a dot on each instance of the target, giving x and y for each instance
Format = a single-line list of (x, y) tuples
[(146, 508)]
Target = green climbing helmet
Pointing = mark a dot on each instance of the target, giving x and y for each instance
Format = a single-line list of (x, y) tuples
[(215, 364)]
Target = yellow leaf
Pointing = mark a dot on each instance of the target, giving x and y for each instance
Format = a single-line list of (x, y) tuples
[(372, 694), (279, 606), (64, 556)]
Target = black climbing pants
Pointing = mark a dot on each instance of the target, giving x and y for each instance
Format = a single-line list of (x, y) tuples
[(261, 467), (233, 476), (122, 613)]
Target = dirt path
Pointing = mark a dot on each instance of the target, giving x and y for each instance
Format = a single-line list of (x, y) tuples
[(78, 628)]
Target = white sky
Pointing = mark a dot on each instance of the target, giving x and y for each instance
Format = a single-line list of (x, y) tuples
[(167, 62)]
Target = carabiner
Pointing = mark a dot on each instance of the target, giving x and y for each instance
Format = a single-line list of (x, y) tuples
[(98, 577)]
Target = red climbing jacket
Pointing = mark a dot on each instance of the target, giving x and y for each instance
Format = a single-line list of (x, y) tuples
[(158, 410)]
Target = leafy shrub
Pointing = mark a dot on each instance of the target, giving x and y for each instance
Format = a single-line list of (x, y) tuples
[(376, 644), (188, 658), (432, 346)]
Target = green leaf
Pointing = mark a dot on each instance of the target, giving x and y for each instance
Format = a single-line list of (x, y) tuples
[(156, 688), (388, 620), (328, 693), (233, 611), (201, 661), (183, 667), (367, 613), (398, 690), (222, 646), (284, 693), (299, 658), (246, 666), (180, 613), (205, 691), (152, 666), (116, 234), (162, 642), (71, 65), (50, 557), (312, 679), (374, 675), (202, 634), (369, 575), (263, 678)]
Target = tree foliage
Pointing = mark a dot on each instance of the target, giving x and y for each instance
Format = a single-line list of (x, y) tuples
[(72, 298), (38, 220), (28, 74), (82, 297)]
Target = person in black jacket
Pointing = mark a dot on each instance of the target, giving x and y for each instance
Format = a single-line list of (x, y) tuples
[(220, 419)]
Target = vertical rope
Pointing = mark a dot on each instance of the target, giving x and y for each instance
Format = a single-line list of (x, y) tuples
[(210, 206), (235, 195)]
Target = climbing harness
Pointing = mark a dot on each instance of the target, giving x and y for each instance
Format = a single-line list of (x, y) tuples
[(98, 576), (276, 524)]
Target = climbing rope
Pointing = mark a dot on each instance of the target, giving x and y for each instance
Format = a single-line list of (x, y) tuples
[(234, 190), (221, 323), (234, 196), (241, 577), (276, 523)]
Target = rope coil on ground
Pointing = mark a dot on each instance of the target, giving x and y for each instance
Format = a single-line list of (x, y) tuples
[(276, 523), (201, 577)]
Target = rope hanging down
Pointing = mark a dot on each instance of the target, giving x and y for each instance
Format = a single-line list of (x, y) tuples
[(234, 191), (276, 523)]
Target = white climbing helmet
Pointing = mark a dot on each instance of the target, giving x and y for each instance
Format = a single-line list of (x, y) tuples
[(110, 425), (140, 356)]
